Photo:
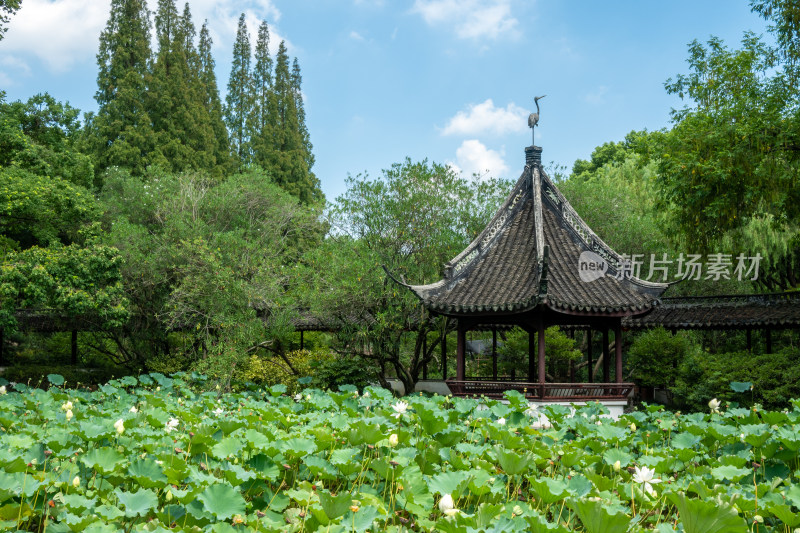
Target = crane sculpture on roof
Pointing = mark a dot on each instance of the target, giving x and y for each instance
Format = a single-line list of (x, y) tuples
[(533, 118)]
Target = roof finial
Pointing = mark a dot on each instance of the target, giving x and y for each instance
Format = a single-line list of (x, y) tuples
[(533, 118)]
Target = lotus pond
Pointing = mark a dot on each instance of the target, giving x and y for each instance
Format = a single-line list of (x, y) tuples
[(156, 453)]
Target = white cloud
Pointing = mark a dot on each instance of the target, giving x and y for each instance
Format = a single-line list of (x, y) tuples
[(356, 36), (473, 157), (63, 32), (485, 118), (470, 19), (58, 32)]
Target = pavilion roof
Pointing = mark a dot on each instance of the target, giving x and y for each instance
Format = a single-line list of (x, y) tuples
[(528, 256)]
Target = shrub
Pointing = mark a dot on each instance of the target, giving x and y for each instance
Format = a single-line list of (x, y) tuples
[(655, 355), (336, 371), (775, 378), (274, 370)]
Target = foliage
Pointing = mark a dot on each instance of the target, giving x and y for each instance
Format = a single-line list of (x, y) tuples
[(655, 355), (209, 261), (155, 450), (703, 375), (71, 282), (238, 100), (284, 369), (334, 372), (731, 159), (412, 219), (560, 354)]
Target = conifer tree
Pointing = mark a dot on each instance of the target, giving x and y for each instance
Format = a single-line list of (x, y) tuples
[(238, 101), (211, 101), (308, 155), (290, 156), (258, 123), (121, 133)]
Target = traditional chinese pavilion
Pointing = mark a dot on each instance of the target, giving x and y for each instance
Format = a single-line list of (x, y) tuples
[(538, 264)]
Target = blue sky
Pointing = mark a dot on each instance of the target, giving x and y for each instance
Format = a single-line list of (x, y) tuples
[(448, 80)]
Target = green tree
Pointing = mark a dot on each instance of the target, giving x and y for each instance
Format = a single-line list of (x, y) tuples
[(730, 164), (207, 267), (211, 101), (238, 101), (121, 134), (259, 126), (412, 219), (288, 160)]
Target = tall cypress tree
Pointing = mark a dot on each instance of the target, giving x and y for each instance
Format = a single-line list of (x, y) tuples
[(238, 101), (258, 123), (296, 82), (290, 156), (121, 132), (211, 101)]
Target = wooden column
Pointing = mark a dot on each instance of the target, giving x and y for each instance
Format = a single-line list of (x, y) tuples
[(749, 336), (494, 354), (444, 351), (606, 356), (768, 339), (301, 339), (74, 347), (618, 350), (424, 355), (589, 353), (541, 374), (531, 363), (461, 346)]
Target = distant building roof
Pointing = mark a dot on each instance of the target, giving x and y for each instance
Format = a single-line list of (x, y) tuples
[(529, 255), (722, 312)]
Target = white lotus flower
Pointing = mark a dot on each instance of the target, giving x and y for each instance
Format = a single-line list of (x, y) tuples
[(644, 476), (171, 425), (393, 440), (68, 414), (541, 422), (66, 406), (446, 503), (2, 390), (298, 397), (714, 405), (134, 409), (501, 421), (119, 425), (400, 409), (76, 482), (366, 394), (217, 411)]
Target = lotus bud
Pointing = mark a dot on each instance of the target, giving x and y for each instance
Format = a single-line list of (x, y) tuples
[(120, 426), (66, 406), (69, 414), (2, 390), (617, 466), (393, 440), (76, 482), (633, 427), (134, 409), (446, 503), (169, 496)]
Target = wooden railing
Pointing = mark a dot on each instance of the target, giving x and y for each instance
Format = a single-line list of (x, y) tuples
[(552, 392)]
